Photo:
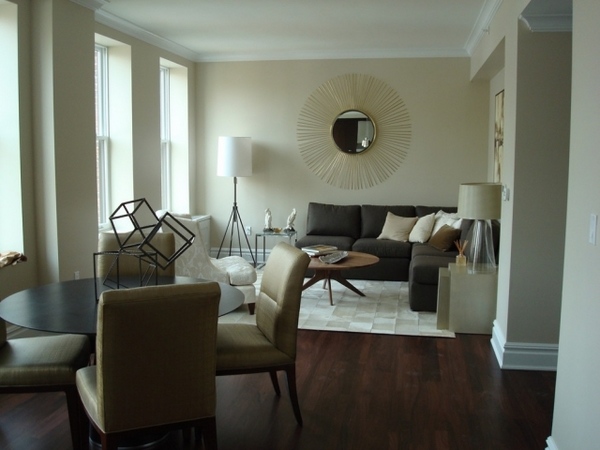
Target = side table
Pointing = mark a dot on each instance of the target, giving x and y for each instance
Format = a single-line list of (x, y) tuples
[(466, 301), (265, 234)]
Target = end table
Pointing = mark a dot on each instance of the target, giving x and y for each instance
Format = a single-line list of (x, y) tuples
[(265, 234), (466, 301)]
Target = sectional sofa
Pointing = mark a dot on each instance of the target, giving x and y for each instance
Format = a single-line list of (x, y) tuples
[(367, 228)]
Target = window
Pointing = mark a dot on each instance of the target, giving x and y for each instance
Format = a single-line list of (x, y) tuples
[(165, 138), (102, 133)]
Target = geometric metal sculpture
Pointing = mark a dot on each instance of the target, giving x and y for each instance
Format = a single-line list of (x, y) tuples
[(137, 221), (141, 223)]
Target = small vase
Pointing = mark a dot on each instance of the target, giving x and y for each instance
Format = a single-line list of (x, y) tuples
[(461, 260)]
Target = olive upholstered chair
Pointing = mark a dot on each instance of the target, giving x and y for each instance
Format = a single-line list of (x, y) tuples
[(130, 265), (45, 364), (270, 345), (155, 362)]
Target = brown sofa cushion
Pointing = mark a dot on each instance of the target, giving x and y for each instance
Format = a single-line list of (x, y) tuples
[(445, 237)]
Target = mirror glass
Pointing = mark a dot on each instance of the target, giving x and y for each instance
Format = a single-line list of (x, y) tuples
[(353, 131)]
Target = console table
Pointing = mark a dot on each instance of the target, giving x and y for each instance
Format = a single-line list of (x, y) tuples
[(466, 301)]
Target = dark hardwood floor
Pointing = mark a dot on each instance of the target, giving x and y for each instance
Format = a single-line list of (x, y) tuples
[(356, 391)]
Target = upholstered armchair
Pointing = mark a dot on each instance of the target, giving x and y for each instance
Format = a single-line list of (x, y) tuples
[(155, 363), (233, 270), (270, 345), (45, 364)]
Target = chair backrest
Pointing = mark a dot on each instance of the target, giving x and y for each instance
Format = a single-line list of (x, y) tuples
[(278, 305), (129, 265), (156, 355)]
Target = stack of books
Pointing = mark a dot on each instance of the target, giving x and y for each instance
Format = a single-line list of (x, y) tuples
[(319, 250)]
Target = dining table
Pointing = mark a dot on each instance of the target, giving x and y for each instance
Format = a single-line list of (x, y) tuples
[(72, 306)]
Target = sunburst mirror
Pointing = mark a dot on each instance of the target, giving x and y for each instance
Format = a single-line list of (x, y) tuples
[(354, 131)]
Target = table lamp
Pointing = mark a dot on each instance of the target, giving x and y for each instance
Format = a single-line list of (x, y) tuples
[(234, 159), (482, 203)]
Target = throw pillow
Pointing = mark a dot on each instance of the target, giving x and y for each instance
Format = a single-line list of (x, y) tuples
[(444, 239), (443, 218), (397, 228), (421, 232)]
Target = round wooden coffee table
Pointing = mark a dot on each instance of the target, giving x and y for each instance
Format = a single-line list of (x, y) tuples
[(328, 272)]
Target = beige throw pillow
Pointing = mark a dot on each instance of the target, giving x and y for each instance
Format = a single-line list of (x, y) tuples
[(397, 228), (421, 232)]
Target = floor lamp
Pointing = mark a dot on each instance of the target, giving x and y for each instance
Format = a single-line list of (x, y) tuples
[(482, 203), (235, 160)]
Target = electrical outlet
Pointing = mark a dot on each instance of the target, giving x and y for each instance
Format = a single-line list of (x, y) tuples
[(248, 230), (76, 275)]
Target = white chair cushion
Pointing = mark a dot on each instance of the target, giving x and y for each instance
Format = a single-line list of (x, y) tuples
[(239, 270)]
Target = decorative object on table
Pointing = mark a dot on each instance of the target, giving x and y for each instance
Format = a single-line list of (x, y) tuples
[(482, 203), (319, 249), (461, 259), (276, 229), (11, 258), (334, 257), (268, 218), (138, 232), (290, 222), (234, 159)]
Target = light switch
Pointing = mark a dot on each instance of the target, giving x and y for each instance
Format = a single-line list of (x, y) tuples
[(593, 227)]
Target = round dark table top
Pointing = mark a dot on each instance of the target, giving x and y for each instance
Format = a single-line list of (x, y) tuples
[(71, 306)]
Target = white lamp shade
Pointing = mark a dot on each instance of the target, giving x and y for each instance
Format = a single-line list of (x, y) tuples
[(234, 157), (480, 200)]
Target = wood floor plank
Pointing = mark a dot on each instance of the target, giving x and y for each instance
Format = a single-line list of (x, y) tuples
[(356, 391)]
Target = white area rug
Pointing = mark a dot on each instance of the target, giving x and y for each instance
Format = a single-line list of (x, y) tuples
[(383, 310)]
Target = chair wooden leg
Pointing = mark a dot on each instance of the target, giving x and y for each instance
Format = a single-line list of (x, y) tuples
[(275, 381), (76, 419), (291, 379), (208, 433)]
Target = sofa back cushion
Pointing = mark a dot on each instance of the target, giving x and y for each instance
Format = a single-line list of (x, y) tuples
[(333, 220), (425, 210), (373, 217)]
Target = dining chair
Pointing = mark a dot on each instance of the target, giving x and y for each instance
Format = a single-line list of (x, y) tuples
[(129, 265), (270, 344), (45, 364), (155, 367), (197, 262)]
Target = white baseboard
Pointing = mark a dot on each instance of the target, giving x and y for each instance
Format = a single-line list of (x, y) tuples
[(523, 355), (551, 444)]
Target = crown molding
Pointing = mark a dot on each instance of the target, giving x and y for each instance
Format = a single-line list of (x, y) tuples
[(482, 24), (548, 23), (135, 31), (91, 4)]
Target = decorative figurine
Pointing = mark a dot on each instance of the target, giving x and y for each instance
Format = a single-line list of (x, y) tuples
[(268, 219), (290, 222)]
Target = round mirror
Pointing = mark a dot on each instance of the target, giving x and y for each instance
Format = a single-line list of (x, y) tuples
[(353, 132)]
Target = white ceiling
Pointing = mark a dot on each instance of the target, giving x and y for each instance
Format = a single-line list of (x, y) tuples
[(228, 30)]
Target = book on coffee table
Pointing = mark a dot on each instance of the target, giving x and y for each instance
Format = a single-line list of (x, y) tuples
[(319, 250)]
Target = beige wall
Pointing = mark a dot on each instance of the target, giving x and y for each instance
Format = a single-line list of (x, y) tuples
[(262, 100), (536, 76), (577, 402)]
